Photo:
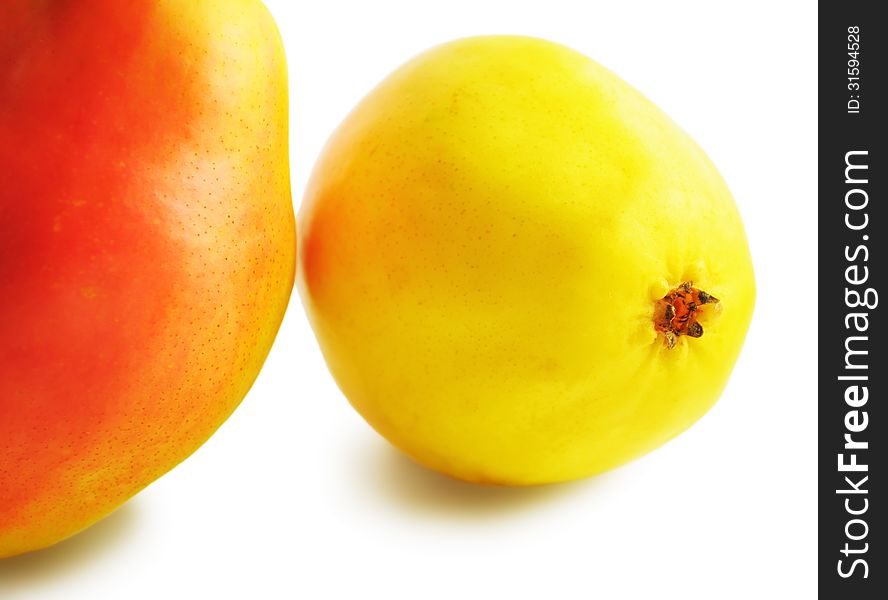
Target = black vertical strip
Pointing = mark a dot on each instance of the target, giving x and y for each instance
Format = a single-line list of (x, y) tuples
[(853, 371)]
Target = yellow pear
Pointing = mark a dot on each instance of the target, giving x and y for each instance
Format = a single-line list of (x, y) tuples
[(519, 269)]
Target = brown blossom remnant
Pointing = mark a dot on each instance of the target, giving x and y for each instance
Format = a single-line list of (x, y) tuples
[(676, 313)]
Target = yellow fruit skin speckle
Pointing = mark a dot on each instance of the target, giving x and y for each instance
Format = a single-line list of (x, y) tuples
[(482, 245)]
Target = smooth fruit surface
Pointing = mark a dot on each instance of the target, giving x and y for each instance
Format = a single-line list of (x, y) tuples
[(147, 243), (484, 244)]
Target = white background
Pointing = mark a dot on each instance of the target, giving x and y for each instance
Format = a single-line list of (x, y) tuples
[(296, 497)]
